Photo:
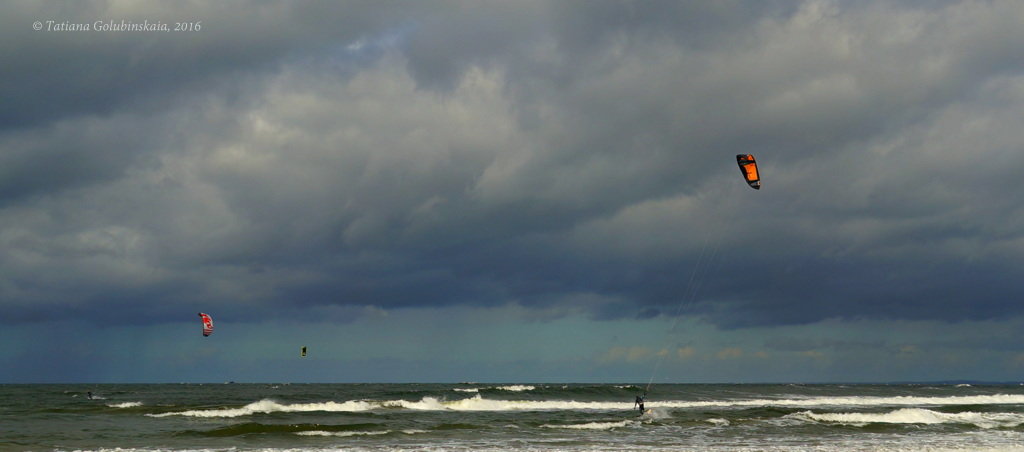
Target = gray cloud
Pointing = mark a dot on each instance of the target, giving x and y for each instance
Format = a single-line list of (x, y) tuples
[(319, 154)]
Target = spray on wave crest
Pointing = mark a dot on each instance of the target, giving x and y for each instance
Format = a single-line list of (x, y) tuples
[(480, 403), (916, 416)]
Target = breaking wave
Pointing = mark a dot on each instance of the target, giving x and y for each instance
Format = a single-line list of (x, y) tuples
[(996, 399), (594, 425), (124, 404), (915, 416), (266, 406), (475, 403), (511, 388), (479, 403), (357, 433), (323, 433), (516, 388)]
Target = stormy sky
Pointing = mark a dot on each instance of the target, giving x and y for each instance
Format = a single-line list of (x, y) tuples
[(511, 191)]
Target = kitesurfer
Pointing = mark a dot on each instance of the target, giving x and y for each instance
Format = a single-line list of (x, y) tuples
[(640, 402), (88, 394)]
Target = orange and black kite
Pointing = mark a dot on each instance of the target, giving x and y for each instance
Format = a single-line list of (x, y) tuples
[(748, 166)]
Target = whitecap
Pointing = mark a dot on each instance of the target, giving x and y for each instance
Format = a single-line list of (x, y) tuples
[(269, 406), (516, 388), (479, 403), (593, 425), (354, 433), (658, 413), (916, 416), (994, 399)]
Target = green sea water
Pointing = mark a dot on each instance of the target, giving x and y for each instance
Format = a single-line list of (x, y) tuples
[(516, 417)]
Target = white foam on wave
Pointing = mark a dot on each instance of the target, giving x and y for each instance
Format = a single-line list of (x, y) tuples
[(594, 425), (475, 403), (424, 404), (657, 413), (739, 448), (124, 404), (269, 406), (511, 388), (357, 433), (479, 403), (325, 433), (995, 399), (516, 388), (916, 416)]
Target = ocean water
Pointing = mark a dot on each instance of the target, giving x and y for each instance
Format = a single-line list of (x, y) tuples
[(513, 417)]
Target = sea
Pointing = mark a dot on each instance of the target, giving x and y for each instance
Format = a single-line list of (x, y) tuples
[(279, 417)]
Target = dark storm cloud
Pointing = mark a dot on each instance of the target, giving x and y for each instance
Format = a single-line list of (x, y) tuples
[(52, 75), (305, 155), (517, 35), (76, 103), (66, 156)]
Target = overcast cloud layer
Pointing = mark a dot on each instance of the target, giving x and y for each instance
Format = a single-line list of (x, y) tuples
[(573, 161)]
